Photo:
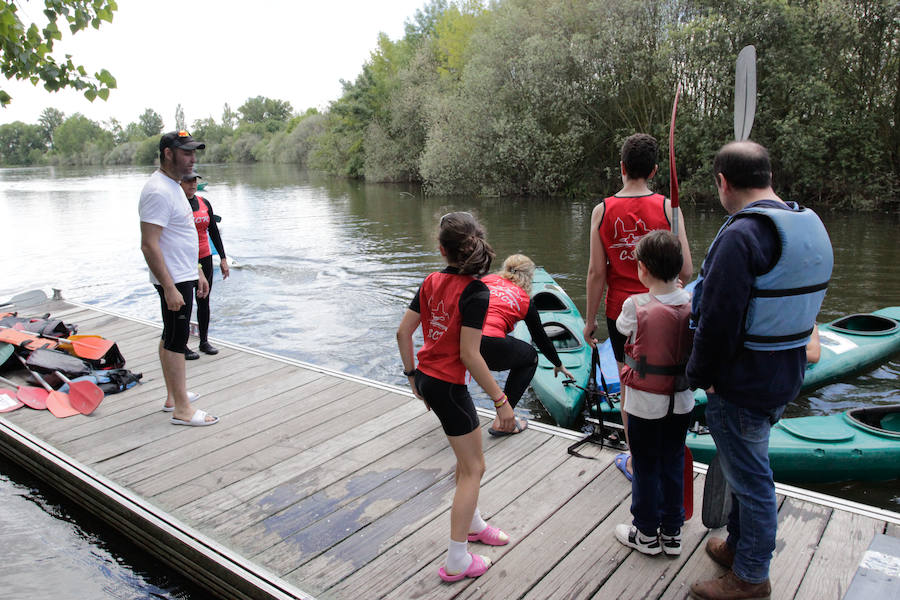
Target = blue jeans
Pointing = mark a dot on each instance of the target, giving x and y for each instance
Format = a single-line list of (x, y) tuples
[(742, 442), (657, 485)]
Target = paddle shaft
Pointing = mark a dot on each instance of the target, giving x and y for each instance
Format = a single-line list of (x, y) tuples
[(673, 174)]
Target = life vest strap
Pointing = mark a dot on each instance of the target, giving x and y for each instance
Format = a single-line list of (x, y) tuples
[(779, 338), (800, 291), (643, 369)]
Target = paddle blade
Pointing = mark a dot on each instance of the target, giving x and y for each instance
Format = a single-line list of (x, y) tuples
[(58, 404), (8, 401), (91, 348), (716, 496), (673, 175), (33, 397), (744, 93), (6, 350), (84, 396), (688, 484)]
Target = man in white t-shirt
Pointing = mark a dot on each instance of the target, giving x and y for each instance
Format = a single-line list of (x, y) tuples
[(170, 247)]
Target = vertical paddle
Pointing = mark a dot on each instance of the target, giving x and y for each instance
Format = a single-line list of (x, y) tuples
[(716, 493), (32, 397), (84, 396), (57, 402), (673, 193)]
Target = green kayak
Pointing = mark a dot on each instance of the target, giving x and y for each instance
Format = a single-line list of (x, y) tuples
[(564, 326), (849, 345), (861, 444)]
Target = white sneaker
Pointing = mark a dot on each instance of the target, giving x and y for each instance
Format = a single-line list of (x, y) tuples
[(671, 544), (633, 538)]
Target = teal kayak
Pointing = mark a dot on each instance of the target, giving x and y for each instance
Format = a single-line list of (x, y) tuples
[(564, 326), (860, 444), (849, 344)]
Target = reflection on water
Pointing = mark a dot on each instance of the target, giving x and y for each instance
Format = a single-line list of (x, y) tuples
[(329, 265)]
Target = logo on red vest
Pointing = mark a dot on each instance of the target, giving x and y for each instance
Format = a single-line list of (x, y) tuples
[(626, 239), (438, 320)]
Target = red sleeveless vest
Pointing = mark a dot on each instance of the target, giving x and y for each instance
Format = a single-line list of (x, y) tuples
[(655, 360), (625, 221), (441, 324), (509, 305), (201, 221)]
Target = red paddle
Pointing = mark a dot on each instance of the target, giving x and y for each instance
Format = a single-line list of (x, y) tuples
[(57, 402), (84, 396), (89, 347), (688, 484), (32, 397), (8, 400)]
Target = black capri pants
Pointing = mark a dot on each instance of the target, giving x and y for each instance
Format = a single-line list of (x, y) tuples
[(513, 355)]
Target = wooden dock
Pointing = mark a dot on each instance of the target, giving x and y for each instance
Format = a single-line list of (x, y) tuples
[(323, 485)]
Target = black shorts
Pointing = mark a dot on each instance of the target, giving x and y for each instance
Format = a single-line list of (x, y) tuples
[(177, 324), (616, 340), (451, 402)]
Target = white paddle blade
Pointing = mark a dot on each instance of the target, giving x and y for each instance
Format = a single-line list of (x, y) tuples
[(744, 93)]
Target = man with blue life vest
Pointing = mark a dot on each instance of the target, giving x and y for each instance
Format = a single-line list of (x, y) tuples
[(754, 308)]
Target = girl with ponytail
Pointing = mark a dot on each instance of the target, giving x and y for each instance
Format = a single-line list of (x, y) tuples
[(450, 306)]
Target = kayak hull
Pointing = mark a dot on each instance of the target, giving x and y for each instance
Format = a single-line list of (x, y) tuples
[(564, 326), (860, 444)]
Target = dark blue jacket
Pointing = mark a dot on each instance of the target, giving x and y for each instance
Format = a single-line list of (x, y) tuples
[(753, 379)]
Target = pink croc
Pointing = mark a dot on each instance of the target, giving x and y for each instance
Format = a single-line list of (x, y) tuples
[(491, 536), (479, 565)]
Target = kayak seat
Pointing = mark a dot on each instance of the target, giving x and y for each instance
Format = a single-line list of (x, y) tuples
[(563, 339), (865, 324), (878, 419), (548, 302)]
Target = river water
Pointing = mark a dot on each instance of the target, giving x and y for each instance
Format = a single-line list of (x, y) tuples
[(327, 267)]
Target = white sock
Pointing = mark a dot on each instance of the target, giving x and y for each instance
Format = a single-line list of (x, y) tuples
[(478, 524), (458, 559)]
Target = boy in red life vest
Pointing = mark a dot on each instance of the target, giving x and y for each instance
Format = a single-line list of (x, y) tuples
[(450, 306), (617, 224), (659, 401)]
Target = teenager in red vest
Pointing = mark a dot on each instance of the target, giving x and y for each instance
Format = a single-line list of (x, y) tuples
[(451, 306), (510, 303), (205, 221), (617, 224)]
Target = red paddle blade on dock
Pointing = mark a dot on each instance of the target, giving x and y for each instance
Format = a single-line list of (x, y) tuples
[(84, 396), (58, 404), (8, 401), (688, 483)]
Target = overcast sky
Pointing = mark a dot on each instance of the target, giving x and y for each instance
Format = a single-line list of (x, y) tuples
[(204, 53)]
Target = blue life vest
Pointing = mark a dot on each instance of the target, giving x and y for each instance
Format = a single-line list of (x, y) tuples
[(785, 300)]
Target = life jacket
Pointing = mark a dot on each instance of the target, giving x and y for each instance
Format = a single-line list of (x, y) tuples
[(784, 301), (441, 324), (656, 358), (201, 221), (509, 305), (625, 221)]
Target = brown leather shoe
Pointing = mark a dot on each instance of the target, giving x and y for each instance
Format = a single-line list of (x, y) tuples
[(719, 550), (731, 587)]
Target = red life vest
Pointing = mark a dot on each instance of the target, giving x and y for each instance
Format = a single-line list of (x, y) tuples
[(441, 324), (509, 305), (201, 221), (625, 221), (656, 359)]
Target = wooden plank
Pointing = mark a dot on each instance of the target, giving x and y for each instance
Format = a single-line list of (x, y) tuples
[(372, 554), (525, 497), (156, 456), (800, 528), (268, 519), (892, 529), (287, 454), (846, 538)]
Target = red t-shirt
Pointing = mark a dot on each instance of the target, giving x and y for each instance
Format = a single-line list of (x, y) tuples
[(625, 221), (509, 305), (201, 222)]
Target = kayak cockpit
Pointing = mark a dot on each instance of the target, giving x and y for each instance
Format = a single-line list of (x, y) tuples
[(562, 337), (548, 301), (865, 324), (880, 420)]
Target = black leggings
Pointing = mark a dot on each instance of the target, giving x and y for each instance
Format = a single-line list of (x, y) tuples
[(203, 303), (513, 355)]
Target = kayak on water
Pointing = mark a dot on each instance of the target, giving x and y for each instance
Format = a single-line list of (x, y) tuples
[(564, 326), (850, 344), (861, 444)]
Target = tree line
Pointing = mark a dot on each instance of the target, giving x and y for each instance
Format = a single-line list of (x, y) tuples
[(534, 97)]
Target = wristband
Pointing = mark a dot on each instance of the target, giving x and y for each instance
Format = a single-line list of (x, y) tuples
[(500, 401), (410, 373)]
